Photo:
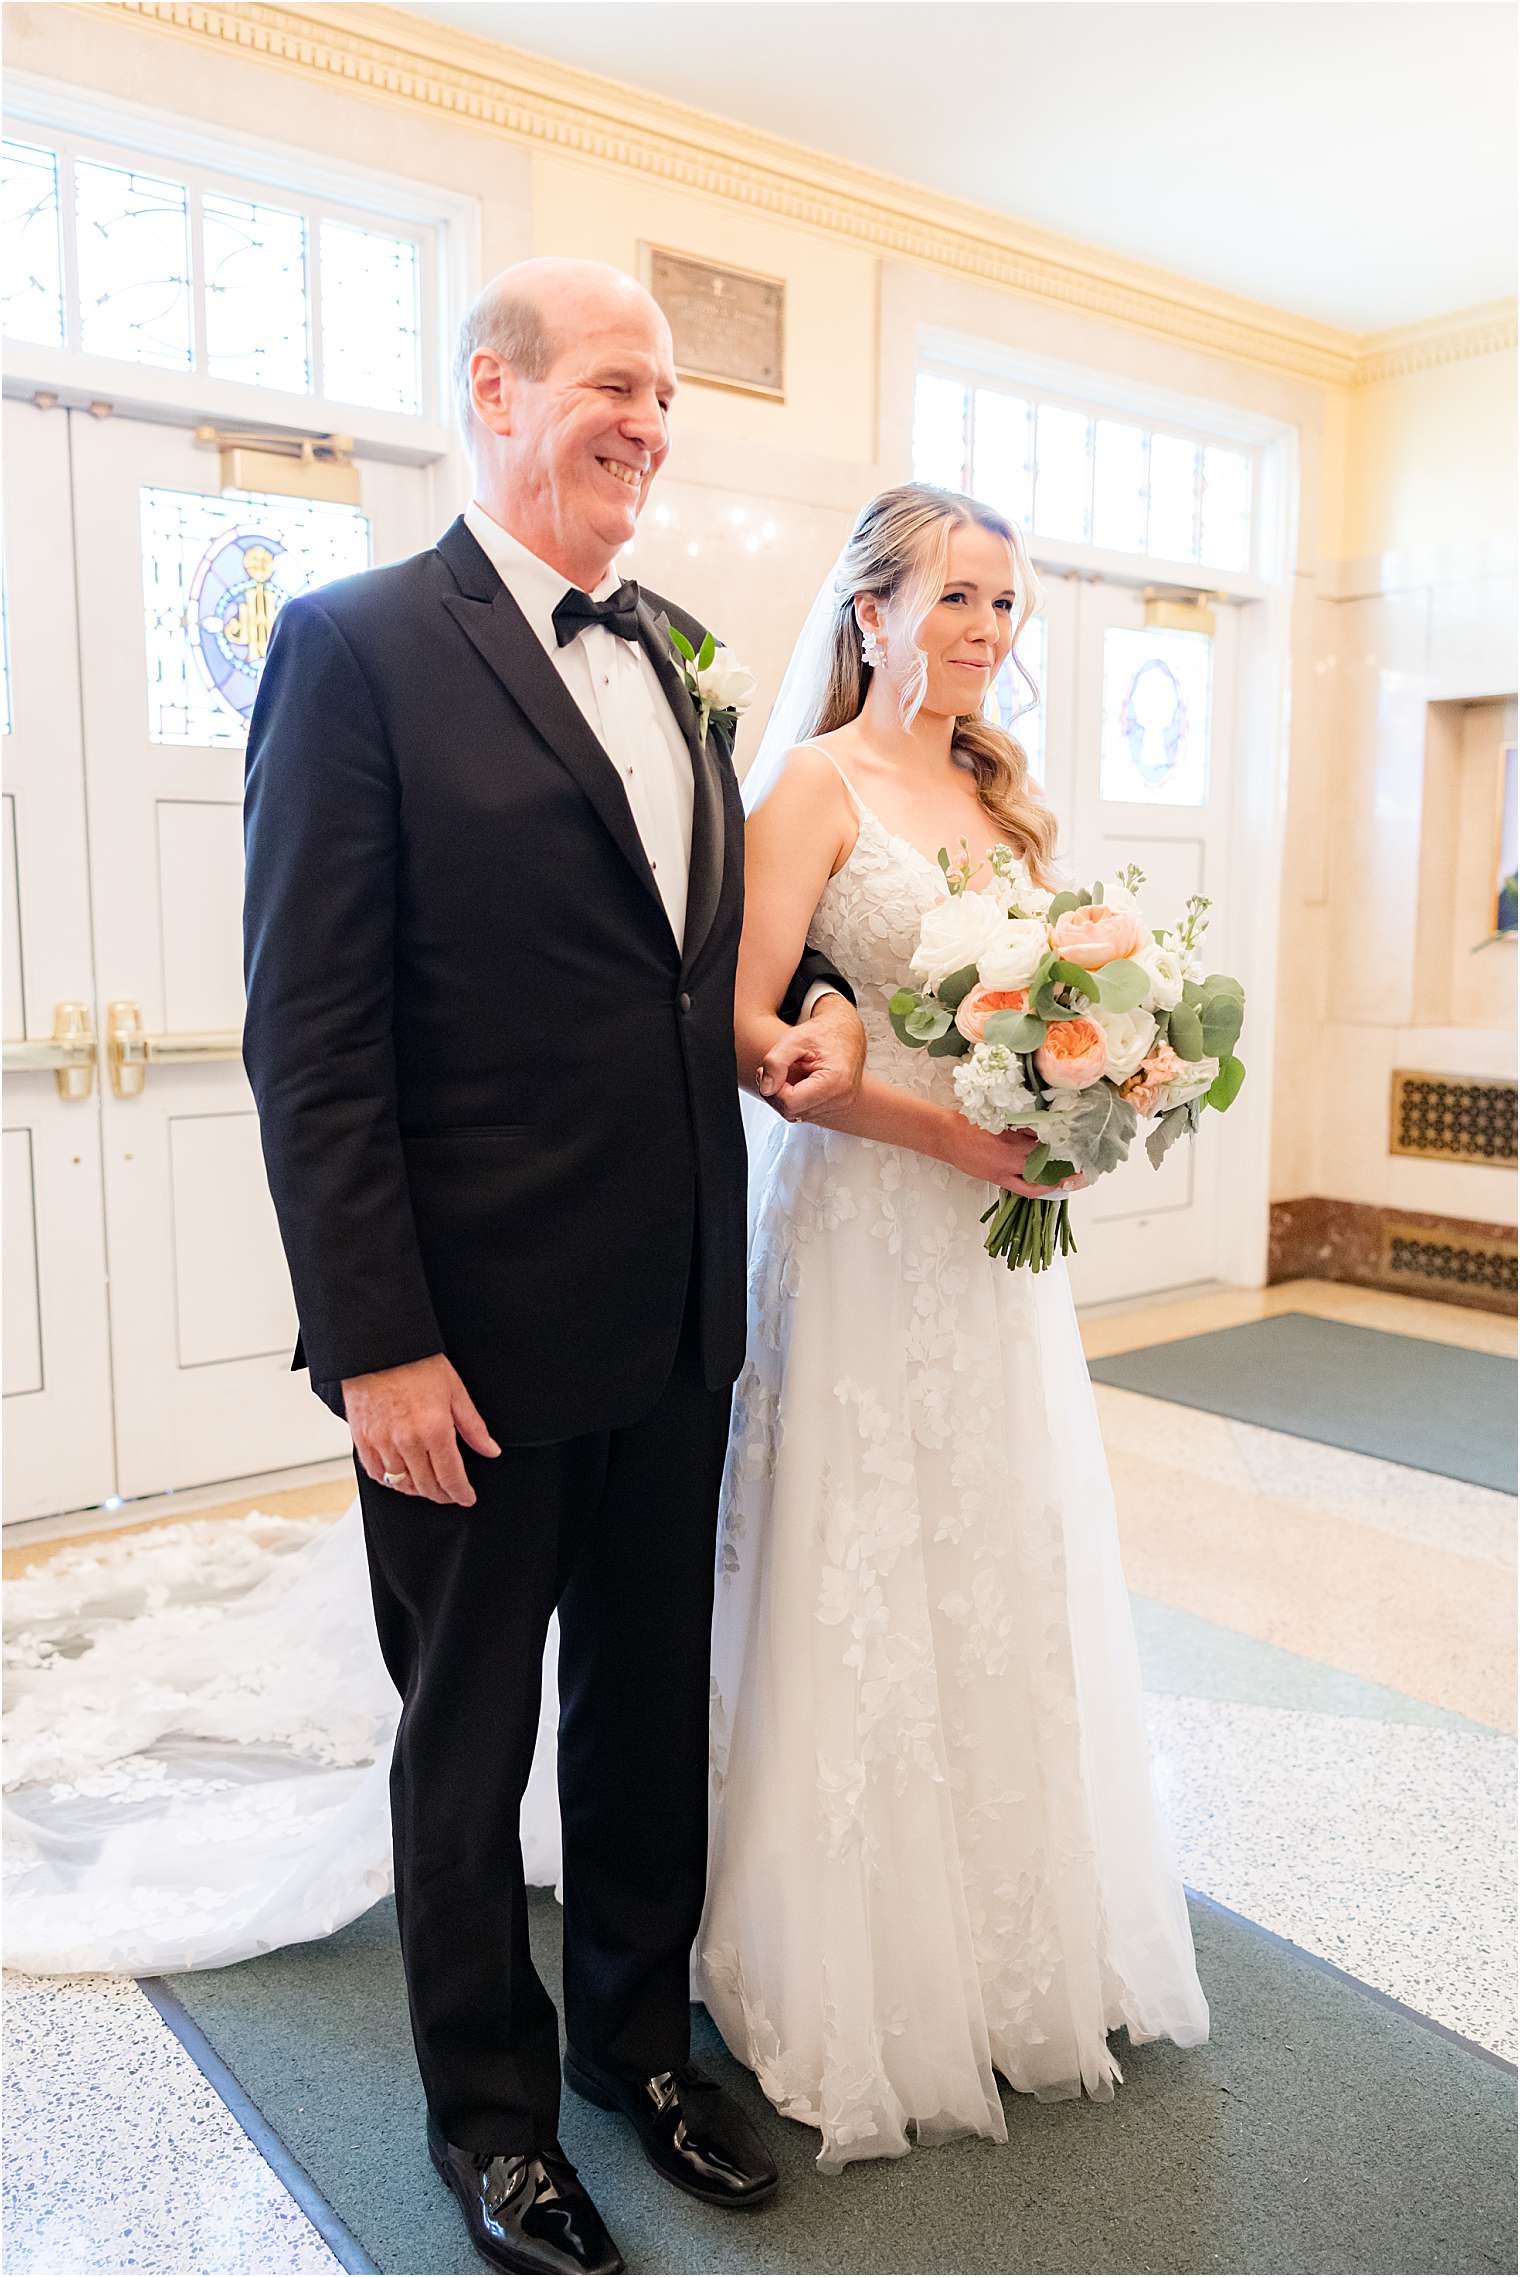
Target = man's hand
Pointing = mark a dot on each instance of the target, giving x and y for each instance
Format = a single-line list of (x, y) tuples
[(817, 1065), (407, 1424)]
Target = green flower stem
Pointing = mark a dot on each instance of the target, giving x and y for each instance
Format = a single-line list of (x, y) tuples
[(1023, 1231)]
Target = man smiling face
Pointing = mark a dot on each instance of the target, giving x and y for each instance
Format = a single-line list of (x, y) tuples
[(570, 436)]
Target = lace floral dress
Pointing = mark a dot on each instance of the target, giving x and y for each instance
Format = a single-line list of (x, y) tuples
[(936, 1855)]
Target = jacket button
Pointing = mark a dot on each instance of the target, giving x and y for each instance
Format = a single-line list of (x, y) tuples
[(685, 1001)]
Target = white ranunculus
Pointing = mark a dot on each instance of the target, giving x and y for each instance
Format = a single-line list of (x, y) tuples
[(954, 934), (1130, 1036), (726, 685), (1200, 1074), (1011, 960), (1163, 968)]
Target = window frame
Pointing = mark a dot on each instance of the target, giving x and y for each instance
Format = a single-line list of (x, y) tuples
[(443, 225), (1038, 380)]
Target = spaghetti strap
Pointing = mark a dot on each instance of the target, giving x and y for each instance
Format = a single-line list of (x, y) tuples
[(856, 801)]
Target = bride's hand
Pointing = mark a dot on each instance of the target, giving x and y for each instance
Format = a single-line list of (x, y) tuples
[(999, 1157)]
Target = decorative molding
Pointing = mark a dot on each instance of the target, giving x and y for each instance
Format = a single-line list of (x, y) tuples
[(1485, 331), (383, 54)]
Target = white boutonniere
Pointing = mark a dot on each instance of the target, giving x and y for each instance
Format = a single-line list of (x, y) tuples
[(713, 678)]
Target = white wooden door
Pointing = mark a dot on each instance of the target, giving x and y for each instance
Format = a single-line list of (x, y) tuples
[(58, 1447), (178, 587), (1148, 777)]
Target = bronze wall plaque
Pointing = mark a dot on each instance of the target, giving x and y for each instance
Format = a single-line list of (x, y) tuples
[(728, 324)]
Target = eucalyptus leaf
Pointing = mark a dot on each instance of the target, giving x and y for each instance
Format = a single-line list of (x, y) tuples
[(1084, 898), (706, 652), (905, 1001), (959, 985), (1097, 891), (900, 1030), (1164, 1134), (1223, 984), (1122, 985), (1220, 1021), (1222, 1092), (1059, 907), (1186, 1030), (681, 644), (1192, 994), (1020, 1031), (1035, 1161), (1050, 1173), (1075, 976), (926, 1022), (950, 1045), (1043, 1004)]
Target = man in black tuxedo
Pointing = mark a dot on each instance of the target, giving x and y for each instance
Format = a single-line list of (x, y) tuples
[(494, 894)]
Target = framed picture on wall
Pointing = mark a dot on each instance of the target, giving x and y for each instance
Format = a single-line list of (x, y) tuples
[(729, 325)]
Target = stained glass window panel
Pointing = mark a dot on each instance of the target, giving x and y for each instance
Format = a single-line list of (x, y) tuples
[(1063, 472), (371, 318), (1002, 470), (939, 431), (33, 248), (1226, 508), (255, 272), (1014, 705), (1174, 499), (1119, 486), (1155, 748), (216, 573), (134, 265)]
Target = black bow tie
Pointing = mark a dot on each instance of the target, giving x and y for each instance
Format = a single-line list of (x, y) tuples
[(619, 613)]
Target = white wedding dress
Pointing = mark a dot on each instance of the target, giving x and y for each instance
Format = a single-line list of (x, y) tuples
[(936, 1852)]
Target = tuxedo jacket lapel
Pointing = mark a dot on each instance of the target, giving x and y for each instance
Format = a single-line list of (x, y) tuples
[(705, 877), (492, 621)]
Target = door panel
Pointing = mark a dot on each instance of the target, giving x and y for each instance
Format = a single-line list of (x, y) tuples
[(58, 1443)]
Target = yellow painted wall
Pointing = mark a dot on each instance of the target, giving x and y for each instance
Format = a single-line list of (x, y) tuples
[(590, 213), (1431, 459)]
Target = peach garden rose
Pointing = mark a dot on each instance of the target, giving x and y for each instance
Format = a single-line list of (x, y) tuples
[(1072, 1054), (978, 1005), (1096, 935)]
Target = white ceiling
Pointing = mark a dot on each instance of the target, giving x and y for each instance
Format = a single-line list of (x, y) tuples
[(1350, 160)]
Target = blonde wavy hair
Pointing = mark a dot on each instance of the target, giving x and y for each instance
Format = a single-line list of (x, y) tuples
[(897, 554)]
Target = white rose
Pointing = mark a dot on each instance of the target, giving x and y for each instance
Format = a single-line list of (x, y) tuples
[(954, 934), (1200, 1074), (1011, 960), (1162, 966), (726, 685), (1130, 1036)]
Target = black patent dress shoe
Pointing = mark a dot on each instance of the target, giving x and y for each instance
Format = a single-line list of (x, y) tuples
[(690, 2129), (526, 2210)]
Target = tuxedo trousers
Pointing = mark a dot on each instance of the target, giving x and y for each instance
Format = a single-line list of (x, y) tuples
[(616, 1530)]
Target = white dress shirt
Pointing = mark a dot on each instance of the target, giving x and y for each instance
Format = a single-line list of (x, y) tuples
[(625, 707)]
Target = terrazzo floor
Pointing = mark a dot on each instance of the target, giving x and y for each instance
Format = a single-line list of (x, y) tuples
[(1328, 1649)]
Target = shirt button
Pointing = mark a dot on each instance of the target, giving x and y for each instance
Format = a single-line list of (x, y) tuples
[(685, 1001)]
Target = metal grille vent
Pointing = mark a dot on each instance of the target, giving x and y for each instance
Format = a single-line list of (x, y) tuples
[(1416, 1256), (1454, 1118)]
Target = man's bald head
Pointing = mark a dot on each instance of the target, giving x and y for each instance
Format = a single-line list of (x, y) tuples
[(566, 375), (525, 315)]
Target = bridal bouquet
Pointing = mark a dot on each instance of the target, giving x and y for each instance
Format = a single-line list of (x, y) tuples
[(1071, 1018)]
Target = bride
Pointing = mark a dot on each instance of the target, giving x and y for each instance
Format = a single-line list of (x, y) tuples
[(936, 1856)]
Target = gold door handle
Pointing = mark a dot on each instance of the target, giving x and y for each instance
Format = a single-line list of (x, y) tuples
[(69, 1053), (133, 1051)]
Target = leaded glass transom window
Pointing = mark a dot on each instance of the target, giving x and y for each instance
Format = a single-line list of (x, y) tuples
[(1065, 473), (1155, 741), (216, 574), (185, 272), (33, 249)]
